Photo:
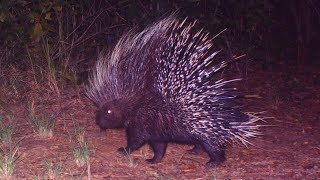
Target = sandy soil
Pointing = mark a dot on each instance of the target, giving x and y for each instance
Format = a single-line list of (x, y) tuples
[(289, 148)]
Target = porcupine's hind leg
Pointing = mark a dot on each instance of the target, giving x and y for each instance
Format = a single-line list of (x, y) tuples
[(159, 150), (216, 153)]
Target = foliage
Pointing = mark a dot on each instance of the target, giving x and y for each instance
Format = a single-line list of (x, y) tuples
[(43, 35), (73, 29)]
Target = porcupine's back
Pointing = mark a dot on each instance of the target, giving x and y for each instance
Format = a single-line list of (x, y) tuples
[(123, 72), (186, 75)]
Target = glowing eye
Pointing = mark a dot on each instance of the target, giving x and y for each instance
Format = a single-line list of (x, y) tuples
[(109, 111)]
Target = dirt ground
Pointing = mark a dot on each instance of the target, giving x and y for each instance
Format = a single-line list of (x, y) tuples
[(289, 148)]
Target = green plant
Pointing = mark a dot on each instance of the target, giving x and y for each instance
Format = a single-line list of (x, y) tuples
[(78, 134), (33, 68), (36, 177), (43, 124), (162, 176), (7, 129), (53, 170), (81, 155), (51, 70), (8, 160)]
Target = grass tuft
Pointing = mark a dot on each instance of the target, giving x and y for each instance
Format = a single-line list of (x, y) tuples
[(6, 129), (81, 155), (8, 160), (53, 170), (43, 124), (78, 134)]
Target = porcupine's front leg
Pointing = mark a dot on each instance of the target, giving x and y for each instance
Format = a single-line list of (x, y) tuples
[(216, 153), (159, 150), (134, 142), (132, 145)]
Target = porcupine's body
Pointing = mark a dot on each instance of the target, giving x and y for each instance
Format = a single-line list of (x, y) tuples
[(161, 85)]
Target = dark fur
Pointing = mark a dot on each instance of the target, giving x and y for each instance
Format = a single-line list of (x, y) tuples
[(157, 123)]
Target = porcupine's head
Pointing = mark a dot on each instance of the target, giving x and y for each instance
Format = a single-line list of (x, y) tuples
[(110, 116)]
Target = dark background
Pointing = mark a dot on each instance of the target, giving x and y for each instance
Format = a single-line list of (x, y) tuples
[(272, 32)]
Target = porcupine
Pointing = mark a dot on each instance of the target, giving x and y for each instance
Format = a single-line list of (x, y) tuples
[(162, 86)]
